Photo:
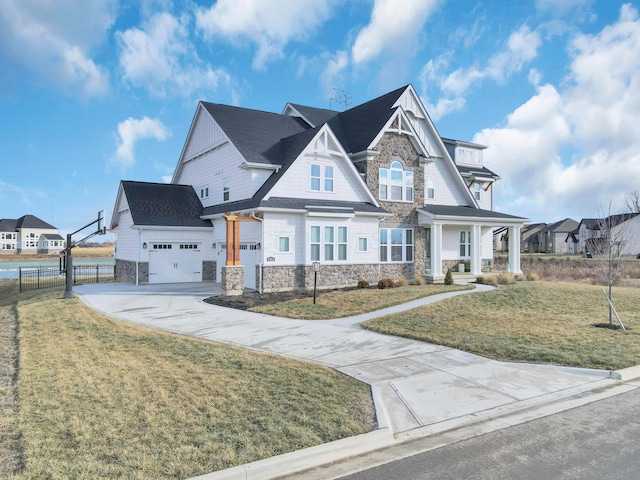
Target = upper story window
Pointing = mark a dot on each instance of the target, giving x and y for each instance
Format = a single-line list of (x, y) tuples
[(396, 184), (430, 188), (225, 193), (204, 192), (476, 191), (321, 178)]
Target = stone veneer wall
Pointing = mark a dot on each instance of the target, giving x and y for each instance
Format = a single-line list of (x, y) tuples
[(126, 271), (208, 271), (404, 213), (233, 280), (282, 279)]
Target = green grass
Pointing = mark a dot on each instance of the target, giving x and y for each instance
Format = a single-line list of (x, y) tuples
[(536, 322), (101, 398), (344, 303)]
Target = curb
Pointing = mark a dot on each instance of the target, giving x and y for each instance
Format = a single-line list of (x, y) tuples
[(312, 457), (626, 374)]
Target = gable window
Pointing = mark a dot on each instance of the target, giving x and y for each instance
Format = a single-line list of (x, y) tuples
[(204, 192), (396, 245), (225, 193), (396, 184), (476, 191), (465, 244), (431, 189), (321, 178)]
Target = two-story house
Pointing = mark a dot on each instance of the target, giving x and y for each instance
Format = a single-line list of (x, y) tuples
[(367, 193), (29, 234)]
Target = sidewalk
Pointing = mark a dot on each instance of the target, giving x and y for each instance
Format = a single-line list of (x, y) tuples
[(418, 388)]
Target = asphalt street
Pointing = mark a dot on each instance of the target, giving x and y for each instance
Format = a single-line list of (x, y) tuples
[(600, 440)]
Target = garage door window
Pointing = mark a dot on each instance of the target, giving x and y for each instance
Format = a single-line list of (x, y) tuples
[(162, 246)]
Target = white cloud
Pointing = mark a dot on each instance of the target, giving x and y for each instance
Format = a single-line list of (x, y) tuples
[(161, 58), (130, 132), (332, 73), (52, 41), (391, 28), (520, 49), (14, 193), (268, 25), (574, 149), (563, 7)]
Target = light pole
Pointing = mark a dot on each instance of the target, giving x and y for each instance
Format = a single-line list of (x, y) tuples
[(316, 268)]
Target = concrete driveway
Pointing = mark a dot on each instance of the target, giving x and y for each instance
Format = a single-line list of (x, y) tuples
[(418, 388)]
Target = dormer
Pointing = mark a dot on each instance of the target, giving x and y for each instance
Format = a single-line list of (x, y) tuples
[(465, 153)]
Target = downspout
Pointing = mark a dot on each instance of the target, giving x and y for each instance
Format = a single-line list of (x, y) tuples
[(253, 215), (138, 261)]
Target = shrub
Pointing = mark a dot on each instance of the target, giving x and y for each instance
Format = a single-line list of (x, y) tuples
[(448, 279), (488, 280), (363, 284), (520, 278), (386, 283), (532, 277), (420, 280), (402, 282), (506, 279)]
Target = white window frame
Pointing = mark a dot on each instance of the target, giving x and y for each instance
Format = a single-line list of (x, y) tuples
[(477, 191), (465, 244), (284, 244), (395, 183), (430, 188), (322, 179), (328, 243), (363, 244), (397, 245)]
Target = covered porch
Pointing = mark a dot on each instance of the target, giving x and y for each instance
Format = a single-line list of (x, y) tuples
[(464, 234)]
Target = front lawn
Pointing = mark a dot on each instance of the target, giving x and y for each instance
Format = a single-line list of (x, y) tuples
[(533, 322), (100, 398)]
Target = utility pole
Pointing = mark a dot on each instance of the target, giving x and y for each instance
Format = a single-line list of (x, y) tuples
[(101, 230)]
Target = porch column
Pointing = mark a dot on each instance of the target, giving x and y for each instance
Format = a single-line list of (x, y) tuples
[(436, 251), (514, 250), (233, 240), (476, 250)]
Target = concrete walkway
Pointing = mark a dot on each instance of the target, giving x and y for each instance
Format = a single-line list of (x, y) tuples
[(418, 388)]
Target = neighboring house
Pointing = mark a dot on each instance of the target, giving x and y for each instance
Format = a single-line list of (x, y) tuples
[(530, 236), (625, 227), (258, 198), (29, 234), (553, 237)]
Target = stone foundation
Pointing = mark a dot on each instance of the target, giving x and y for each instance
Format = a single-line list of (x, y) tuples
[(232, 280), (126, 271), (282, 279)]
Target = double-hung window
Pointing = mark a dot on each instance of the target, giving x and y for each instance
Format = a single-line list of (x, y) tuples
[(396, 245), (476, 191), (321, 178), (396, 184)]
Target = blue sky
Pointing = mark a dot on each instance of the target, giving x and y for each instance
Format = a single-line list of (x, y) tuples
[(96, 91)]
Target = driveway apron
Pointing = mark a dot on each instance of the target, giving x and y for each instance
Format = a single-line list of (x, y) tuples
[(415, 385)]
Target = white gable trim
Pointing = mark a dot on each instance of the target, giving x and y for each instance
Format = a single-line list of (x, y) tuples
[(417, 108), (292, 111), (115, 216), (326, 135), (404, 128)]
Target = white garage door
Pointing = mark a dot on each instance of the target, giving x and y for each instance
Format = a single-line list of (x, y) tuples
[(175, 263)]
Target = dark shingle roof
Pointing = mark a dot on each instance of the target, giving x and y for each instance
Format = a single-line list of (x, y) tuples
[(317, 116), (164, 204), (30, 221), (253, 132), (476, 172), (52, 236), (8, 225), (357, 127), (462, 211), (296, 204)]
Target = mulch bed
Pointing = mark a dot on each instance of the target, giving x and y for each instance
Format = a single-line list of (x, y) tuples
[(251, 298)]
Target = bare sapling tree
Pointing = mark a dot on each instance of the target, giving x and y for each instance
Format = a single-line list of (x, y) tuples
[(632, 201), (608, 248)]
